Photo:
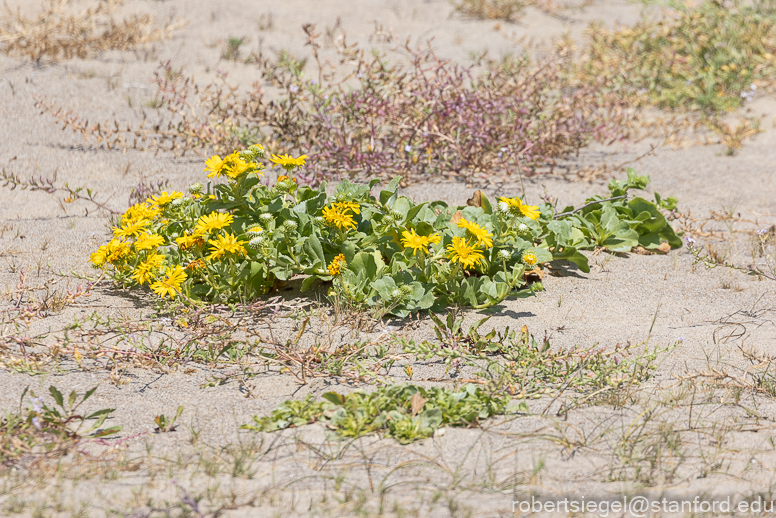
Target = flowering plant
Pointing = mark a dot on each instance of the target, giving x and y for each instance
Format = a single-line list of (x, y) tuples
[(235, 240)]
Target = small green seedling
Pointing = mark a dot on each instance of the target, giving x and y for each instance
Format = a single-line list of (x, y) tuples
[(164, 425)]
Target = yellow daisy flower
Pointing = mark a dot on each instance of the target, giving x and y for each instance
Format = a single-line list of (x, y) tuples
[(188, 241), (148, 241), (482, 236), (416, 242), (237, 167), (140, 211), (519, 208), (213, 221), (111, 252), (226, 244), (287, 161), (348, 205), (461, 251), (172, 284), (214, 166), (130, 229), (530, 258), (163, 199), (336, 217), (145, 270), (336, 265)]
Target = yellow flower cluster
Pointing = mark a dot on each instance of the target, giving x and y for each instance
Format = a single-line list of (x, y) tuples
[(110, 252), (232, 166), (335, 267)]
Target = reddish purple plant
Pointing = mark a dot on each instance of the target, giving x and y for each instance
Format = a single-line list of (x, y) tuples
[(364, 116)]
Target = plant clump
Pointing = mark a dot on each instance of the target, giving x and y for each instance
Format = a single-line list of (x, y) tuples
[(364, 115), (55, 34), (233, 240), (404, 412), (709, 57), (44, 430)]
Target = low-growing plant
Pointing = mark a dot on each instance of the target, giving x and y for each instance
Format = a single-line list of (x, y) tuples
[(364, 114), (55, 34), (710, 56), (491, 9), (42, 430), (404, 412), (524, 367), (164, 424), (235, 240)]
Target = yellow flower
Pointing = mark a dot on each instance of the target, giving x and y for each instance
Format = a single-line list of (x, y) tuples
[(226, 244), (140, 211), (336, 265), (416, 242), (212, 221), (163, 199), (287, 161), (530, 258), (145, 270), (335, 216), (283, 178), (148, 241), (461, 251), (519, 208), (129, 229), (237, 166), (189, 241), (348, 205), (214, 166), (111, 252), (482, 236), (172, 284)]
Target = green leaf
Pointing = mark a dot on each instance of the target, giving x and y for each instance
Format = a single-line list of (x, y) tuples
[(335, 398), (312, 247), (57, 395)]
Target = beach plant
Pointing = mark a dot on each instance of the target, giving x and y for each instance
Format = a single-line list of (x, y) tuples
[(711, 56), (43, 430), (55, 34), (234, 240), (405, 412), (359, 114)]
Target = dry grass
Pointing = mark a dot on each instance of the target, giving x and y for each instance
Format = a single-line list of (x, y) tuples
[(56, 33)]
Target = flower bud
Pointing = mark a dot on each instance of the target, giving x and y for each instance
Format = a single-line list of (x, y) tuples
[(290, 225), (503, 207), (266, 217), (504, 255), (406, 289), (256, 242), (177, 202), (398, 216), (522, 228), (396, 294), (196, 188)]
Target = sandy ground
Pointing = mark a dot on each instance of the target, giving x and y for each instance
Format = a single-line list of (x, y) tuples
[(620, 300)]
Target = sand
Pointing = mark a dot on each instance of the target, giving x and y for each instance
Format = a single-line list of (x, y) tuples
[(619, 301)]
